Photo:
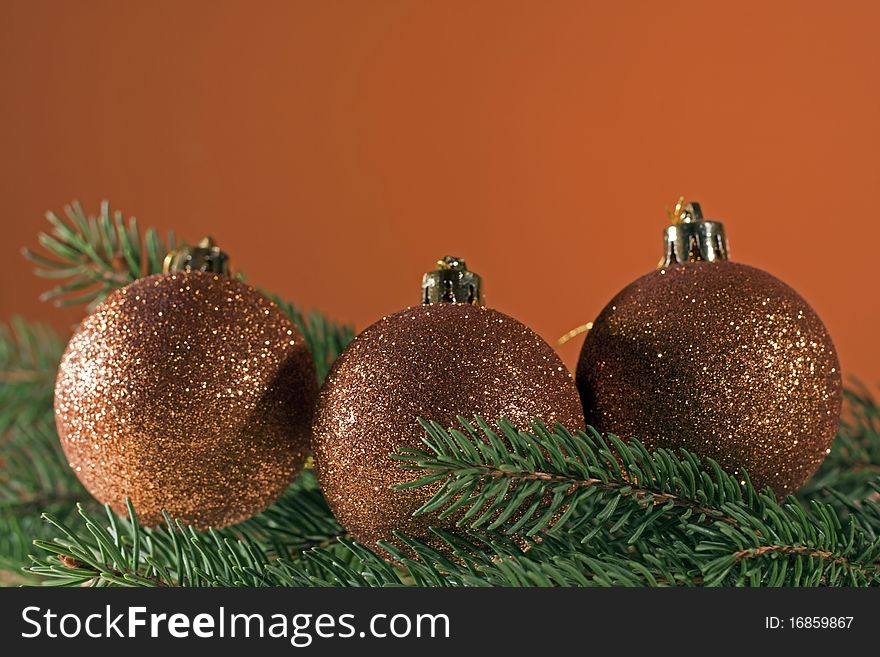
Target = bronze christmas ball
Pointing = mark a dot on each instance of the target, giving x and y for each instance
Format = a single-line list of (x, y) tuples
[(719, 358), (187, 392), (434, 361)]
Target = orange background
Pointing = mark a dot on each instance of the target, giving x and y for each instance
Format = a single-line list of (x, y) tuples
[(337, 149)]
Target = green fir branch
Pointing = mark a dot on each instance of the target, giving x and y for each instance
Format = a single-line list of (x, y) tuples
[(554, 483), (34, 477), (29, 355), (34, 472), (651, 520), (471, 559), (91, 255), (18, 534), (108, 550)]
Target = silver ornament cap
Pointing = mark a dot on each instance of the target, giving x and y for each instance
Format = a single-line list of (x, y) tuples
[(452, 282), (690, 238), (205, 256)]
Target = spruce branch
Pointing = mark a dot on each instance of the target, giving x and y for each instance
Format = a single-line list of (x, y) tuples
[(555, 482), (472, 559), (29, 355), (111, 550), (653, 520), (35, 473), (34, 477), (519, 470), (94, 254)]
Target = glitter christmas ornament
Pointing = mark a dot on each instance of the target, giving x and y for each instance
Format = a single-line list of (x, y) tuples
[(449, 356), (720, 358), (188, 392)]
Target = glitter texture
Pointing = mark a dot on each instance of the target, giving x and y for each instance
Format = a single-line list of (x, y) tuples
[(188, 392), (435, 361), (719, 358)]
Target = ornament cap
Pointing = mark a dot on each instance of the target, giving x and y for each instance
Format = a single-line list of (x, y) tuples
[(205, 256), (690, 238), (452, 282)]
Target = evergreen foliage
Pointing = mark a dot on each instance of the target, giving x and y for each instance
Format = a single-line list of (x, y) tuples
[(29, 355), (543, 507), (93, 255)]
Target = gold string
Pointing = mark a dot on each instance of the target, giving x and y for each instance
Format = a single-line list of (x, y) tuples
[(573, 333)]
